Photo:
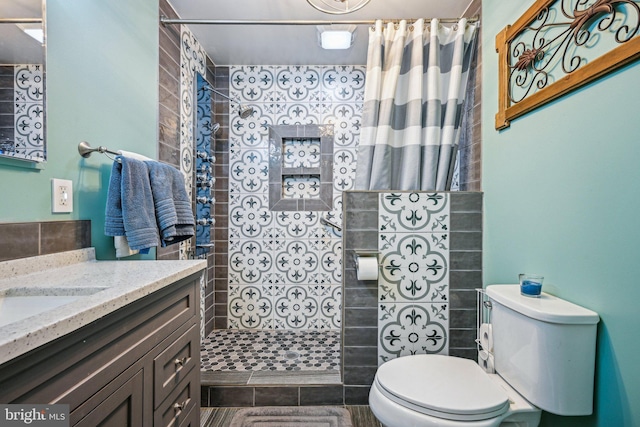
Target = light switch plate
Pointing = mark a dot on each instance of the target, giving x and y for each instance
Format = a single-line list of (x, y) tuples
[(61, 195)]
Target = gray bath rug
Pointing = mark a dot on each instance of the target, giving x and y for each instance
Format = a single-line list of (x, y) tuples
[(292, 416)]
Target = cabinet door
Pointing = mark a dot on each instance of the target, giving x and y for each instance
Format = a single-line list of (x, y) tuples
[(122, 408)]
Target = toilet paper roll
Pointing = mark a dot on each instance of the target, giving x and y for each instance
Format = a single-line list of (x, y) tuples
[(367, 267), (486, 362), (486, 337)]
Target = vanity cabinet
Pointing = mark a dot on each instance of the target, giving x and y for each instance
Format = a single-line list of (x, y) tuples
[(137, 366)]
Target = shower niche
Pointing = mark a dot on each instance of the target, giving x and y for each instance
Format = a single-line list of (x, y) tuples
[(301, 167)]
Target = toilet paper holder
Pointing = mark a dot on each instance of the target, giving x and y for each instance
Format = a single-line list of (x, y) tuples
[(367, 265), (364, 254), (483, 320)]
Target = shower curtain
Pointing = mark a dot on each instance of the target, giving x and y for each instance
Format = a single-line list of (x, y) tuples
[(414, 93)]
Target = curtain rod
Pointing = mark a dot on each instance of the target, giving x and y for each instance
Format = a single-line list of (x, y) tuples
[(20, 21), (170, 21)]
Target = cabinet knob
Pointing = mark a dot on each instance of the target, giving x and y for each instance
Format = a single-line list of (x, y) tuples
[(178, 407), (180, 362)]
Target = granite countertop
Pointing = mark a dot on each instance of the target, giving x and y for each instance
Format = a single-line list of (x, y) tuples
[(78, 288)]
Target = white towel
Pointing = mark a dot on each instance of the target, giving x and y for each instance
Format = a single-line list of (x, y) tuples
[(122, 247)]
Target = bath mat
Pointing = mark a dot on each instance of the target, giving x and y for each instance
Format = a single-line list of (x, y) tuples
[(292, 416)]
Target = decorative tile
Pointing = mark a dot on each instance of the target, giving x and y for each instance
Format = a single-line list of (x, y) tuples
[(413, 287), (331, 261), (297, 262), (249, 216), (192, 60), (345, 83), (297, 114), (271, 350), (406, 329), (347, 121), (28, 114), (249, 308), (412, 269), (248, 171), (298, 224), (301, 186), (330, 307), (251, 83), (297, 82), (296, 308), (411, 212), (344, 169), (301, 153), (252, 132), (249, 262), (303, 252)]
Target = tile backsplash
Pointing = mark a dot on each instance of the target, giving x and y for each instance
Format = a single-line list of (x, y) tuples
[(25, 239)]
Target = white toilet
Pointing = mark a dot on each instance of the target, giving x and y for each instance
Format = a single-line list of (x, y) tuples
[(544, 355)]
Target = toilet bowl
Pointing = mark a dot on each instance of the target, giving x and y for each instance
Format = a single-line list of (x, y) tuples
[(445, 391), (544, 357)]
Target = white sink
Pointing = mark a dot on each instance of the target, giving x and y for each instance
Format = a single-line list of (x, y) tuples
[(21, 302)]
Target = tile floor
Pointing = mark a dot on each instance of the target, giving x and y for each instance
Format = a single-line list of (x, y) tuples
[(233, 350)]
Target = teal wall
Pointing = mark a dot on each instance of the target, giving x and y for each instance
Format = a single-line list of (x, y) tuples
[(562, 198), (102, 87)]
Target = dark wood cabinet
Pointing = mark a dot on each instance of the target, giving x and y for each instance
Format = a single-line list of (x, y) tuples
[(138, 366)]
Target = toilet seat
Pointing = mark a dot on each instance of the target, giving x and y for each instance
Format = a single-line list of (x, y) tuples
[(446, 387)]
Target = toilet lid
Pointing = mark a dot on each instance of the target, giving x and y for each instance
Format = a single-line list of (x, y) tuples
[(442, 386)]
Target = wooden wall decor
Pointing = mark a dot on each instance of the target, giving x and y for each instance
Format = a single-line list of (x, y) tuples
[(548, 51)]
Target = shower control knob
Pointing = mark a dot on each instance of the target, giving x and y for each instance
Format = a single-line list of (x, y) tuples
[(206, 221), (208, 183), (206, 157), (203, 176), (205, 200), (204, 169)]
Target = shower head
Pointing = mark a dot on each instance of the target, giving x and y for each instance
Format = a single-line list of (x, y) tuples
[(244, 111)]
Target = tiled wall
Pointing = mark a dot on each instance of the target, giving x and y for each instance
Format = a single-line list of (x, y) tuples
[(25, 239), (285, 267), (414, 274), (362, 298), (173, 145), (22, 111)]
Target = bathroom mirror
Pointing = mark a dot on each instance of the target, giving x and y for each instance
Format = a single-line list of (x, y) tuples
[(22, 80)]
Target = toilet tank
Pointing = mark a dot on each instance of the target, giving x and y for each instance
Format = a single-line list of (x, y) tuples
[(545, 348)]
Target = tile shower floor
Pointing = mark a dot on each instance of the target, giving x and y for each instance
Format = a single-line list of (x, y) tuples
[(271, 350)]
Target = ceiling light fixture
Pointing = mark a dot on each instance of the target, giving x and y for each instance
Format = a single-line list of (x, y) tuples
[(336, 36), (338, 7)]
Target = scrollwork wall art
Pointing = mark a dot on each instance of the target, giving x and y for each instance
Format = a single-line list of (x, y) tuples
[(559, 45)]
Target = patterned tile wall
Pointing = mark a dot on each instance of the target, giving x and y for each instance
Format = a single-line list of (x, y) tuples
[(285, 268), (367, 220), (27, 140), (413, 287)]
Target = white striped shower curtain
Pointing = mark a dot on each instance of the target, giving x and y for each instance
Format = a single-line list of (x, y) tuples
[(414, 92)]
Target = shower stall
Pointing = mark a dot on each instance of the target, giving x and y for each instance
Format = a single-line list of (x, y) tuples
[(284, 318)]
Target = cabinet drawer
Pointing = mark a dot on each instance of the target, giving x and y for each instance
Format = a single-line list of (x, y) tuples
[(175, 363), (122, 407), (175, 410)]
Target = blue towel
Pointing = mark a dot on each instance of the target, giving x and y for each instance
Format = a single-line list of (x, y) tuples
[(172, 205), (130, 210)]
